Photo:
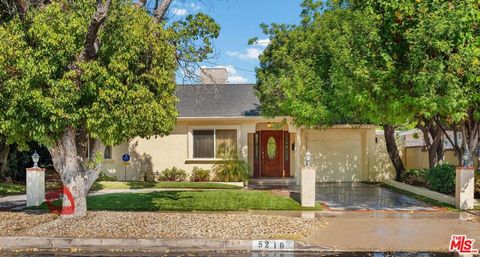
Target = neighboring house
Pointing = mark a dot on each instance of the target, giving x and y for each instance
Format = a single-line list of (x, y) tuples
[(212, 115), (415, 153)]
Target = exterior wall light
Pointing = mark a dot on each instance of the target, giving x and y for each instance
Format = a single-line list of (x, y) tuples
[(467, 159), (308, 159), (35, 159)]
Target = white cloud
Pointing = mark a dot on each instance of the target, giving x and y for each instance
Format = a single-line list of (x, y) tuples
[(179, 11), (237, 79), (233, 76), (249, 54), (194, 6), (263, 42)]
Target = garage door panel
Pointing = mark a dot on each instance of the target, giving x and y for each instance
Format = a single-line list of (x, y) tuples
[(336, 155)]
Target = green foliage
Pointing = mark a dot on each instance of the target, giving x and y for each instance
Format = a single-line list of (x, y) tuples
[(330, 69), (127, 91), (173, 174), (104, 177), (200, 175), (373, 61), (415, 177), (441, 178), (9, 188), (230, 168)]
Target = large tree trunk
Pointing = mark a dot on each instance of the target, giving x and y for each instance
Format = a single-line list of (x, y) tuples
[(470, 134), (433, 138), (392, 150), (441, 150), (4, 152), (77, 172)]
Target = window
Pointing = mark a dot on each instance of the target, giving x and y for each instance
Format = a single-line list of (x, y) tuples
[(108, 152), (226, 139), (209, 143), (271, 148), (203, 146)]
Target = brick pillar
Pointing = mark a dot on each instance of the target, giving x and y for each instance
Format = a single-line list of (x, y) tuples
[(464, 188), (35, 186), (307, 185)]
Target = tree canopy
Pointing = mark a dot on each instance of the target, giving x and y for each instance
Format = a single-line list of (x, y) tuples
[(78, 75), (387, 62)]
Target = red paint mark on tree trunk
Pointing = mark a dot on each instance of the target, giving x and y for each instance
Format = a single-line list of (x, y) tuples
[(52, 196)]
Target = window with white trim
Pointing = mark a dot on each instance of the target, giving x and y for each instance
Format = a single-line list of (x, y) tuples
[(208, 143)]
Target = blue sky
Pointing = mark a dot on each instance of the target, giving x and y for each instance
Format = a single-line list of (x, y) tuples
[(239, 20)]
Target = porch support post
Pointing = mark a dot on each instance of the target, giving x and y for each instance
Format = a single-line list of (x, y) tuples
[(464, 188), (307, 186), (298, 155), (35, 186)]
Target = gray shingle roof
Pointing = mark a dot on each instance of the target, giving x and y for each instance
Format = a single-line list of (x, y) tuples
[(224, 100)]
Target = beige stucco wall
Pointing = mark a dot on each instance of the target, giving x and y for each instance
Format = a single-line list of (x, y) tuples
[(175, 150), (416, 158), (381, 167), (340, 154)]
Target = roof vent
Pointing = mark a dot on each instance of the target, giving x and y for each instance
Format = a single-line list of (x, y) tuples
[(214, 75)]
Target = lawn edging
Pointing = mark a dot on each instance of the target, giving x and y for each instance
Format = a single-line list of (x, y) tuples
[(13, 243), (238, 184), (422, 192)]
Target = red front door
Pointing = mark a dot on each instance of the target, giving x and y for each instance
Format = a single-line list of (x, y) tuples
[(271, 153)]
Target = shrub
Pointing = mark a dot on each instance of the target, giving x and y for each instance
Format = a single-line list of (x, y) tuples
[(415, 177), (173, 174), (104, 177), (231, 168), (441, 178), (200, 175)]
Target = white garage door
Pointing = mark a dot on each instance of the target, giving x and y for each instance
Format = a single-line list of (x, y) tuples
[(336, 154)]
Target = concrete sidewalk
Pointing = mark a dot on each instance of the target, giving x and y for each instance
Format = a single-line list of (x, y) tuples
[(395, 231)]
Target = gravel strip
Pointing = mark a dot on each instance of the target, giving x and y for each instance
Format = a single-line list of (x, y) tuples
[(15, 222), (175, 225)]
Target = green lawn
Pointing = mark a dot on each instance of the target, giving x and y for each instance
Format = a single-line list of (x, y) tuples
[(421, 198), (11, 189), (214, 200), (141, 185)]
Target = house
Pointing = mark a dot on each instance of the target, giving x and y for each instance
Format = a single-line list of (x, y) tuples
[(214, 113), (415, 153)]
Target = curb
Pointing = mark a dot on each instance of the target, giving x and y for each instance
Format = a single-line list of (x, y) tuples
[(13, 243)]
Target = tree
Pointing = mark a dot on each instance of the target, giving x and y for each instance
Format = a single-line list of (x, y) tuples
[(332, 68), (444, 62), (78, 75), (439, 74), (395, 62), (4, 151)]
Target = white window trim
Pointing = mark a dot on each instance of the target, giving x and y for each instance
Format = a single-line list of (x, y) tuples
[(214, 128)]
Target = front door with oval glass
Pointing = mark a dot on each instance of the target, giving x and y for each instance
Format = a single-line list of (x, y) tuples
[(272, 154)]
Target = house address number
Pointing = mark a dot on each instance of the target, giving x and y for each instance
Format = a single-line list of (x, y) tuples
[(273, 245)]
